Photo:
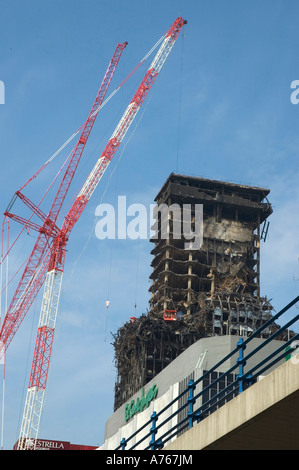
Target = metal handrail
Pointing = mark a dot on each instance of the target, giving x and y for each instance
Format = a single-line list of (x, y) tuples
[(242, 379)]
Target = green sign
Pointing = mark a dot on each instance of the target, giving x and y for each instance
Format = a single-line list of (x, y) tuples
[(141, 403)]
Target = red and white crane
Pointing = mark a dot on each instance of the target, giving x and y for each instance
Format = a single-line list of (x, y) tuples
[(46, 266), (35, 270), (37, 267)]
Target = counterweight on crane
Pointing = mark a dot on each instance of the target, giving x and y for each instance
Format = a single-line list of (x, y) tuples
[(55, 256)]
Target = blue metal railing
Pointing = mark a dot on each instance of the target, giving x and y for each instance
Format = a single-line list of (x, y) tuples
[(153, 441)]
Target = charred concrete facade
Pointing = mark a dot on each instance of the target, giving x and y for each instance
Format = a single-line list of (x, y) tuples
[(213, 290), (225, 271)]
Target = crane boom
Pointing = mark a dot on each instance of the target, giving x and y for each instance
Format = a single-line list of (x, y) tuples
[(69, 173), (29, 285), (50, 302), (125, 122)]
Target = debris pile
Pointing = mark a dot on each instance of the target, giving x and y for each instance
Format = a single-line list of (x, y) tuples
[(145, 345)]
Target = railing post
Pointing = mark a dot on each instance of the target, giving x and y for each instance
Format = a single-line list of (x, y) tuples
[(153, 443), (191, 401), (248, 379), (123, 443), (241, 362), (197, 416)]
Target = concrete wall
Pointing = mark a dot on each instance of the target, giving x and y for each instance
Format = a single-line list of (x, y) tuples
[(202, 355), (263, 417), (139, 419)]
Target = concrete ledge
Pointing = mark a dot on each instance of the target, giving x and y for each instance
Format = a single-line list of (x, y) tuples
[(265, 416)]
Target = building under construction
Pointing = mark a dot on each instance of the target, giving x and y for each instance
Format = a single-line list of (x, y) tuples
[(197, 291)]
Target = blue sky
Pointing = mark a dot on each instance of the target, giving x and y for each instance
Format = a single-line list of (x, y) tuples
[(219, 109)]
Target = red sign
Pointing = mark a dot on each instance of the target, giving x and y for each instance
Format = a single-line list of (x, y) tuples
[(45, 444)]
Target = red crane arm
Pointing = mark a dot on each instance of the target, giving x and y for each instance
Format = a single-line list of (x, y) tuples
[(24, 296), (50, 302), (29, 285), (28, 224), (33, 207), (77, 152), (123, 126)]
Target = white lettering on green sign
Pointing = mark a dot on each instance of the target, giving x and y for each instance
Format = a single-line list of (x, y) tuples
[(141, 403)]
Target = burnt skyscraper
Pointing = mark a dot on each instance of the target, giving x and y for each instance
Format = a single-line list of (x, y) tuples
[(225, 272), (213, 289)]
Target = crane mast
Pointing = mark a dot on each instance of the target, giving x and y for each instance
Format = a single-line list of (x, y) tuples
[(50, 301)]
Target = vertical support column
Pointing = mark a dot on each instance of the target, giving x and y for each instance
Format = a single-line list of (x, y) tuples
[(41, 360), (166, 276), (191, 401), (241, 362), (123, 443), (154, 444), (189, 286), (258, 243), (153, 430), (31, 418)]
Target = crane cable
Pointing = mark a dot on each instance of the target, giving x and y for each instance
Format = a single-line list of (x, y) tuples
[(3, 402), (180, 102), (137, 269), (3, 355)]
